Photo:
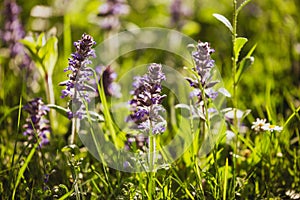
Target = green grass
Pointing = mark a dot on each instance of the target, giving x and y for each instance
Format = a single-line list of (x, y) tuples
[(264, 165)]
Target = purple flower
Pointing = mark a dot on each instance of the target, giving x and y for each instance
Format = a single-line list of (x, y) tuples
[(175, 11), (76, 86), (178, 12), (108, 76), (37, 127), (110, 13), (146, 102), (203, 66), (13, 32)]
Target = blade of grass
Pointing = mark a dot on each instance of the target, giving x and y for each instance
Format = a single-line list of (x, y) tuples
[(9, 112), (225, 179), (18, 127), (66, 195), (23, 168)]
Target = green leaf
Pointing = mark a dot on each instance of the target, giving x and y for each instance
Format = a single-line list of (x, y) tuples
[(95, 116), (245, 63), (32, 48), (224, 20), (30, 45), (238, 45), (61, 110), (72, 148), (251, 51), (48, 54), (23, 168), (181, 105), (224, 92), (40, 39)]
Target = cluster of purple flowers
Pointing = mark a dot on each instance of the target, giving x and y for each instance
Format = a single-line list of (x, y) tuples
[(146, 102), (178, 11), (76, 86), (13, 32), (108, 77), (110, 13), (37, 128), (203, 67)]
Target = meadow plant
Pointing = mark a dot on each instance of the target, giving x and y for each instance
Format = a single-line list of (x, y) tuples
[(146, 116), (37, 127), (146, 102), (260, 125), (76, 86), (13, 32), (203, 83), (241, 162)]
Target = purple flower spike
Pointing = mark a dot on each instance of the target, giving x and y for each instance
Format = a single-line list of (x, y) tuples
[(76, 86), (108, 76), (110, 13), (203, 66), (37, 127), (146, 102), (179, 12), (13, 32)]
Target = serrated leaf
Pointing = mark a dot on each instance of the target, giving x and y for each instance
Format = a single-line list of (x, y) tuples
[(238, 45), (224, 20)]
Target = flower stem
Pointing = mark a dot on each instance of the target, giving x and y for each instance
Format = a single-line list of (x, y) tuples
[(51, 99), (234, 58), (234, 96), (152, 147)]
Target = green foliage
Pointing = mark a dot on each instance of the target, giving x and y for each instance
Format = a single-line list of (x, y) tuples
[(264, 165), (44, 53)]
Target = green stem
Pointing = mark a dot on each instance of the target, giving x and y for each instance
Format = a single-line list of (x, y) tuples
[(51, 100), (234, 96), (152, 147), (75, 124), (73, 131), (234, 58)]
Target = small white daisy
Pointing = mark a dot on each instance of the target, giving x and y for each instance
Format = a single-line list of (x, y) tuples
[(269, 127), (257, 126)]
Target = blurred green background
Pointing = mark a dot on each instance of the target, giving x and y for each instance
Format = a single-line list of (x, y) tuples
[(270, 87)]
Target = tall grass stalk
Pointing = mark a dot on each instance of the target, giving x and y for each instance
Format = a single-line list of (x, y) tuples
[(107, 116), (235, 60)]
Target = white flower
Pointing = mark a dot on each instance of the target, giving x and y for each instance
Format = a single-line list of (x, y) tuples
[(269, 127), (257, 126)]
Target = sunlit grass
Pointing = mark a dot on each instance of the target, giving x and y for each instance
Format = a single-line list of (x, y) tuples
[(257, 54)]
